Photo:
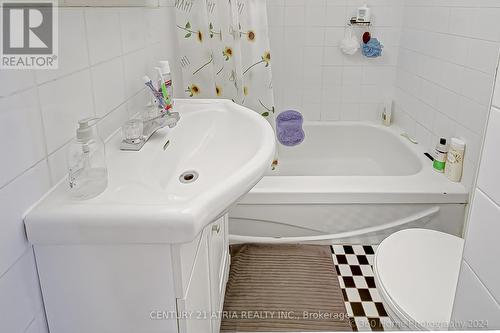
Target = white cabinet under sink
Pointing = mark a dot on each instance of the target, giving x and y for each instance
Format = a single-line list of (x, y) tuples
[(151, 247), (207, 284), (145, 288)]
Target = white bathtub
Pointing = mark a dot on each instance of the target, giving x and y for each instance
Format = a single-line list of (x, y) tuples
[(348, 182)]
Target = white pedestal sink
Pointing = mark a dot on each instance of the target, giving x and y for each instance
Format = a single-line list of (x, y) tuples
[(156, 238)]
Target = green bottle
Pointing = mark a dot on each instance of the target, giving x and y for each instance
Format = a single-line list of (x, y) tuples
[(440, 155)]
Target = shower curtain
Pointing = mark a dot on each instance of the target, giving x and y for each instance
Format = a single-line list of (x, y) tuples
[(224, 52)]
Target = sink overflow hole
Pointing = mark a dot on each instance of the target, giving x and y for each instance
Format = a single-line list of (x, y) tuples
[(188, 177)]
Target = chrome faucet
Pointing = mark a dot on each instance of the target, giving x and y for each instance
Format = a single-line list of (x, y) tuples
[(169, 119), (145, 129)]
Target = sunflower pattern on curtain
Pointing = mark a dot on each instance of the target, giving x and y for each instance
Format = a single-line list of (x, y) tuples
[(224, 52)]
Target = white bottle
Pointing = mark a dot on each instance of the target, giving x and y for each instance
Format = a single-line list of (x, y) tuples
[(363, 14), (387, 114), (87, 171), (455, 160)]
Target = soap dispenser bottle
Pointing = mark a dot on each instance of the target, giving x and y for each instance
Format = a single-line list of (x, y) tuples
[(87, 171)]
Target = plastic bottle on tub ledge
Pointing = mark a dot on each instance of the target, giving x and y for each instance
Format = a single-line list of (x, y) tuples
[(387, 113), (440, 154), (455, 160)]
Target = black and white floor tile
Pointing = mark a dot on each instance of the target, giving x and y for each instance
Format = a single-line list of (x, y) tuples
[(362, 300)]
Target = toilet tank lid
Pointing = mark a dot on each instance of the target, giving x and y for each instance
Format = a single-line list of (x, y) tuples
[(418, 269)]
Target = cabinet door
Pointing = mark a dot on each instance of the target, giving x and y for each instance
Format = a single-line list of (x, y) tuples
[(218, 252), (197, 305)]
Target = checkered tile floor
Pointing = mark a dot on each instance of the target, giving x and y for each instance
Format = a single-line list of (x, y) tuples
[(362, 300)]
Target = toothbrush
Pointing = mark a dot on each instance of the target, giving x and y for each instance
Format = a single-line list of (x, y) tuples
[(149, 83), (156, 93)]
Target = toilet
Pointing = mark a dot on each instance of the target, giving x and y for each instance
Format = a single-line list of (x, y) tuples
[(416, 273)]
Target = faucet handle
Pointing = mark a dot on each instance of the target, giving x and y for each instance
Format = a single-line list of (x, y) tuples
[(132, 131), (132, 135)]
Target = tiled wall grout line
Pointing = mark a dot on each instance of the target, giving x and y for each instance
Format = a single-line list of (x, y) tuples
[(32, 322), (454, 63), (22, 173), (27, 249), (483, 284)]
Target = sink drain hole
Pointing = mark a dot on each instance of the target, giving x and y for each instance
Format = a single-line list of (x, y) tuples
[(188, 176)]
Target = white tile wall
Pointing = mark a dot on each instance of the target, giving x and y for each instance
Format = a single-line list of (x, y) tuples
[(13, 80), (478, 291), (104, 38), (105, 75), (491, 158), (312, 75), (482, 234), (15, 198), (474, 306), (73, 51), (38, 325), (132, 25), (447, 62), (20, 122), (62, 103), (104, 52), (20, 300)]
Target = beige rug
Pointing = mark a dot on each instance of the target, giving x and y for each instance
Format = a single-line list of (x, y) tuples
[(283, 288)]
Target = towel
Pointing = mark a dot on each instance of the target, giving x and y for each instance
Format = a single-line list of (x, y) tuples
[(289, 128)]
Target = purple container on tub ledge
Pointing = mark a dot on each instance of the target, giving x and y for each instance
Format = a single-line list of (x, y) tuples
[(289, 128)]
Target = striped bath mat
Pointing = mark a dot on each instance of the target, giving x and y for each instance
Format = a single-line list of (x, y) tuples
[(283, 288)]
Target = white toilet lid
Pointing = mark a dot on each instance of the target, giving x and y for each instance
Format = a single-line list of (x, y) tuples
[(418, 270)]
